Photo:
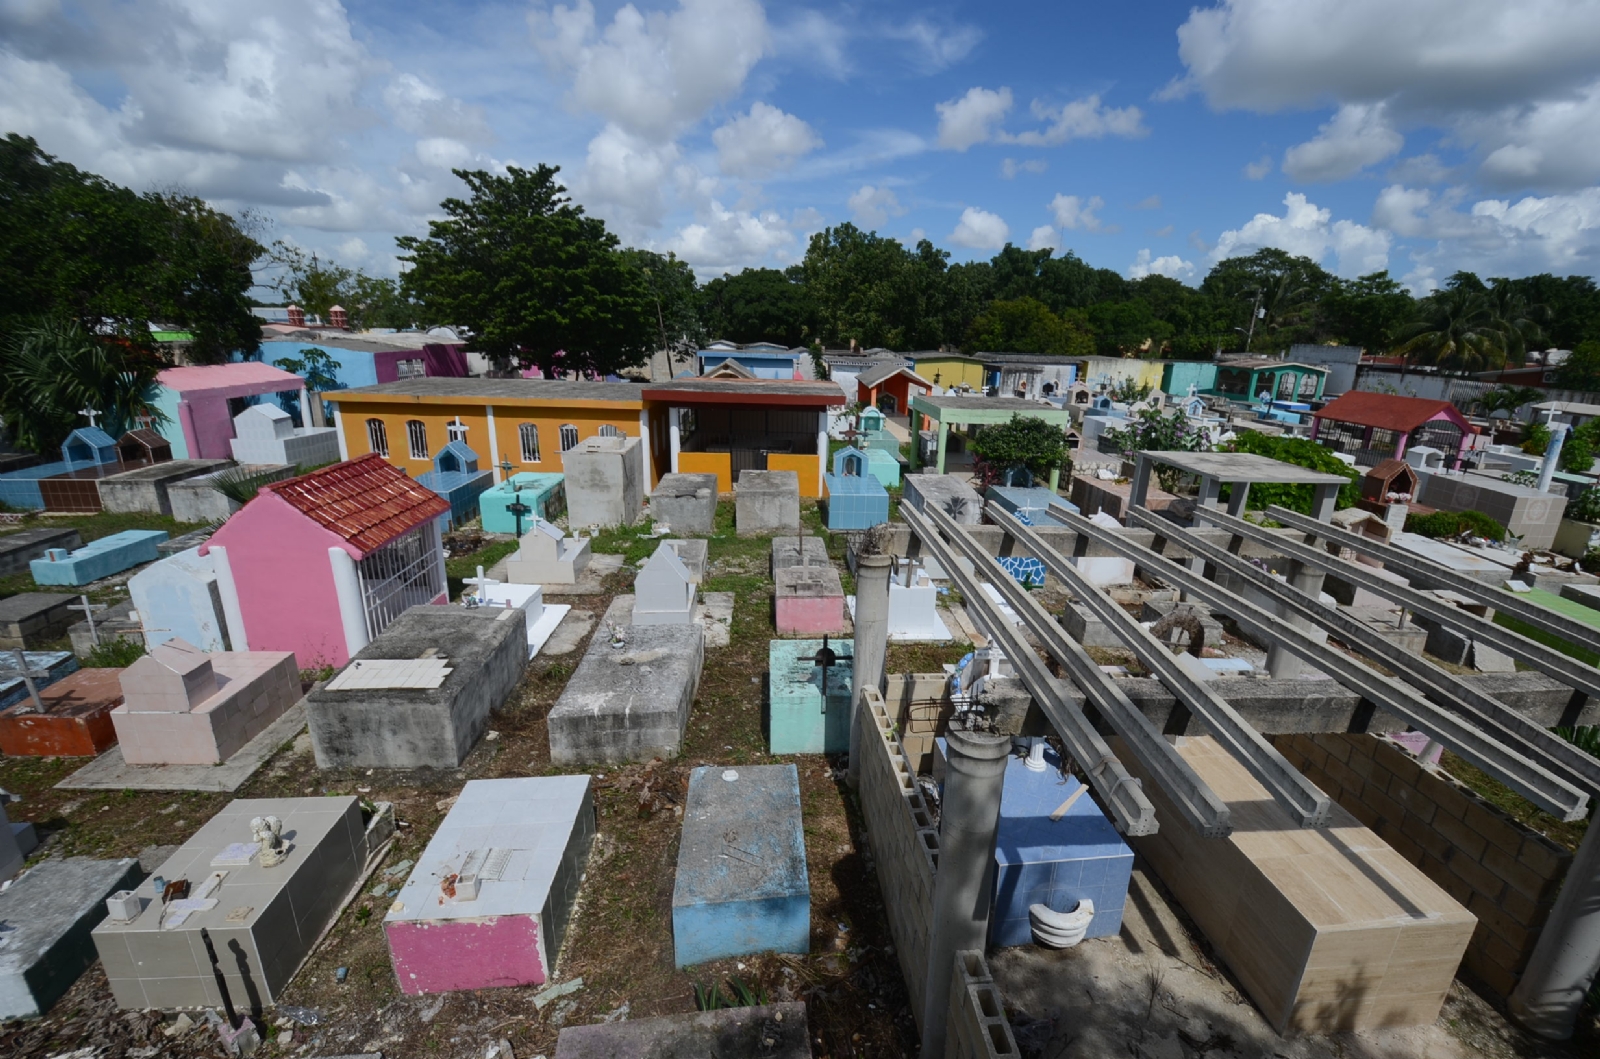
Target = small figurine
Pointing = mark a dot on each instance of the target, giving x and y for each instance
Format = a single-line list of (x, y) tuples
[(268, 830)]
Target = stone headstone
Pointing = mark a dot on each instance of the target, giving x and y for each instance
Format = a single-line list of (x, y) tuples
[(664, 591)]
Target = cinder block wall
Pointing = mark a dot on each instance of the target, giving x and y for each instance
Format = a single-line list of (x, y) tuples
[(976, 1027), (919, 705), (1504, 873)]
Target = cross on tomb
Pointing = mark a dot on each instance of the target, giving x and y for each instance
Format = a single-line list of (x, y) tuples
[(825, 659), (480, 582), (92, 413), (457, 430), (88, 612), (517, 508), (28, 675)]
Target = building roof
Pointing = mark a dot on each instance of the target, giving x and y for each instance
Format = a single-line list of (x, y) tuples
[(1024, 360), (1016, 405), (511, 391), (247, 377), (148, 438), (1385, 411), (1255, 363), (888, 369), (1242, 467), (367, 501), (1577, 408), (810, 393), (762, 352), (728, 369)]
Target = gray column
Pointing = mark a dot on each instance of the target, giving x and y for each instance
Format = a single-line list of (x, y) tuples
[(963, 885), (1281, 665), (871, 640), (1551, 991), (1140, 488)]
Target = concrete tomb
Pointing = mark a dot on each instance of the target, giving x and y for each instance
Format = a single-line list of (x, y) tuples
[(605, 482), (856, 500), (263, 893), (20, 548), (1056, 848), (97, 559), (488, 902), (1522, 510), (184, 706), (45, 918), (75, 720), (541, 617), (741, 885), (630, 696), (181, 597), (913, 604), (772, 1031), (947, 493), (1029, 503), (1327, 929), (766, 502), (808, 600), (265, 433), (685, 502), (147, 490), (30, 618), (546, 557), (542, 493), (664, 591), (45, 669), (802, 720), (198, 499), (799, 551), (420, 694)]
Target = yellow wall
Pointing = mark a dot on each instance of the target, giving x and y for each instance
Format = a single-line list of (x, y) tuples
[(952, 371), (1142, 372), (802, 465), (435, 415), (717, 463)]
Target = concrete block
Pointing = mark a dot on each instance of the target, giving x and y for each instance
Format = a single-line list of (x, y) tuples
[(526, 842), (180, 598), (545, 494), (808, 600), (49, 913), (664, 590), (31, 618), (147, 490), (198, 500), (76, 721), (948, 493), (101, 558), (799, 551), (767, 502), (685, 502), (772, 1031), (628, 703), (800, 719), (741, 885), (1087, 629), (604, 482), (183, 706), (262, 920), (19, 549), (1030, 504), (546, 557), (1522, 510), (487, 651), (11, 852), (264, 433)]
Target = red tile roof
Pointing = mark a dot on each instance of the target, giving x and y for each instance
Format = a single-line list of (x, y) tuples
[(367, 501), (1387, 411)]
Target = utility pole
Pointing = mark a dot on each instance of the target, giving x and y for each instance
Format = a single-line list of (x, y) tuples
[(1255, 310)]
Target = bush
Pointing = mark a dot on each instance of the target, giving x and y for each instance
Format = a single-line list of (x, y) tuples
[(1024, 441), (114, 654), (1585, 507), (1535, 439), (1454, 523), (1301, 453)]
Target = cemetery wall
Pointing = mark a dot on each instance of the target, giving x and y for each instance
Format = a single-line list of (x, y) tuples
[(976, 1026), (1504, 873)]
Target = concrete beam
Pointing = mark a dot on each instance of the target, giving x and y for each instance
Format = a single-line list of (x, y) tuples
[(1298, 796), (1202, 808)]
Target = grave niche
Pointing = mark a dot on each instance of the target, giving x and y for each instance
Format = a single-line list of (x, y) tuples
[(545, 556), (665, 590)]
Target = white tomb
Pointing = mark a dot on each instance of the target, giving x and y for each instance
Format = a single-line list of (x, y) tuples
[(913, 605), (546, 557), (665, 590), (265, 433), (542, 617)]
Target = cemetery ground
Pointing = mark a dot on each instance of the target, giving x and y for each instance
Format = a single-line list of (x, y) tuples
[(1157, 990)]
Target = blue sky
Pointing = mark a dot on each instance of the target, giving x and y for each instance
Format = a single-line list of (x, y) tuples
[(1419, 136)]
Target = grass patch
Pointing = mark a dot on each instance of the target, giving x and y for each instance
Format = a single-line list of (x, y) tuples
[(458, 568), (1522, 810)]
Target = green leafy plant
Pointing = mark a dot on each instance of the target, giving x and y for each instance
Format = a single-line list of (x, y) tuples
[(240, 485), (1585, 738), (1454, 523), (739, 995), (1024, 441), (1523, 478), (1128, 390), (114, 654), (1535, 439), (1301, 453), (1585, 507)]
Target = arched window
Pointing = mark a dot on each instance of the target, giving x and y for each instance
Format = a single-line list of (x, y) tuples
[(609, 431), (377, 437), (417, 436), (569, 437), (528, 433)]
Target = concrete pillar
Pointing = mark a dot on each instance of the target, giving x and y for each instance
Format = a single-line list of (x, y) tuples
[(943, 438), (1564, 961), (1237, 500), (822, 448), (963, 885), (1322, 504), (644, 449), (675, 434), (872, 638), (1139, 490), (494, 449), (338, 432), (305, 410), (1281, 665)]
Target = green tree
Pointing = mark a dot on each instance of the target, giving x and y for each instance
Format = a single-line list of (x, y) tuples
[(1022, 441), (1301, 453), (533, 276), (1581, 371), (1283, 290), (758, 305), (1509, 398), (675, 297), (1128, 328), (53, 367), (1026, 325), (1456, 330), (1369, 311), (320, 371)]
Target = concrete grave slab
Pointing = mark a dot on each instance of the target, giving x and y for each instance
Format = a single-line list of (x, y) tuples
[(31, 618), (741, 885), (147, 489), (98, 559), (46, 917), (423, 727), (262, 919), (799, 551), (767, 502), (630, 702), (18, 549), (686, 502), (198, 500), (542, 618), (773, 1031), (1030, 503), (800, 719), (116, 622), (488, 902), (808, 600), (110, 772), (546, 556), (604, 482), (947, 493), (75, 722)]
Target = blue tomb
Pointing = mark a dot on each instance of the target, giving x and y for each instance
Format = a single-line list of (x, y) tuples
[(52, 664), (1054, 862), (85, 448), (856, 500), (742, 885), (544, 492), (455, 476), (97, 559)]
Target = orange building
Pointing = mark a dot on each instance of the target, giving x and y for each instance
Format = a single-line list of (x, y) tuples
[(889, 388)]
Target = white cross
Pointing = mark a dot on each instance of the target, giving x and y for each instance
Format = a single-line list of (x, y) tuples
[(27, 675), (481, 582), (88, 612), (91, 413), (456, 430)]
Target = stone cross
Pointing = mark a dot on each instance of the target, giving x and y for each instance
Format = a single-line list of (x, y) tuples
[(92, 413), (481, 582), (457, 430), (88, 612), (28, 676)]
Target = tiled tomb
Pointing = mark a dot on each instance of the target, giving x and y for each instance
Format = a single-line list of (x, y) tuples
[(381, 712), (45, 918), (741, 884), (31, 618), (46, 668), (1030, 503), (75, 721), (546, 556), (542, 493), (856, 500), (97, 559), (489, 900), (184, 706), (262, 919), (802, 720), (808, 600)]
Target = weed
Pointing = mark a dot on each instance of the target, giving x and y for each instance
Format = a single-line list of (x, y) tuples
[(114, 654), (739, 995)]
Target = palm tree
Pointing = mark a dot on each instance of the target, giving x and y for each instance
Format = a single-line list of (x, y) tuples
[(53, 368), (1456, 330), (1516, 320)]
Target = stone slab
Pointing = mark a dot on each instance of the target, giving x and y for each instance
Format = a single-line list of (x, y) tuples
[(76, 721), (423, 727), (800, 720), (113, 623), (47, 915), (773, 1031), (948, 493), (146, 489), (18, 549), (197, 499), (808, 601), (31, 618), (799, 551), (590, 582), (685, 502), (742, 885), (527, 840), (110, 772), (628, 703), (99, 558)]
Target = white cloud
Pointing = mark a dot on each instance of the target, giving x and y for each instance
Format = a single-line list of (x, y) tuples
[(873, 206), (1164, 232), (980, 230), (815, 40), (420, 108), (653, 74), (1072, 213), (1082, 119), (762, 142), (937, 47), (1421, 169), (1010, 167), (1258, 169), (629, 175), (1152, 202), (723, 240), (1044, 237), (1171, 266), (971, 119), (1309, 231), (1356, 137), (1549, 233)]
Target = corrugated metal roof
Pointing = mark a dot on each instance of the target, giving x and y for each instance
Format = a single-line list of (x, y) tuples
[(366, 501)]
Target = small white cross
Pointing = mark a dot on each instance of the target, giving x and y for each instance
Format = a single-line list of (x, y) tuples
[(91, 413), (88, 612), (457, 430), (481, 582)]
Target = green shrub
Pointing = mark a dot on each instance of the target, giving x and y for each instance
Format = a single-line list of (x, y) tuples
[(1585, 507), (1301, 453), (1454, 523), (1535, 439), (114, 654)]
